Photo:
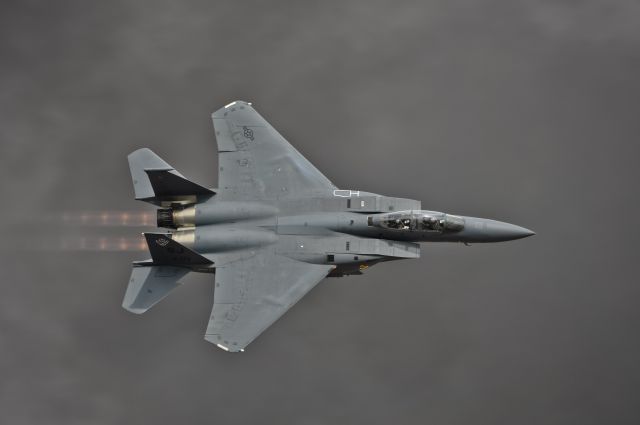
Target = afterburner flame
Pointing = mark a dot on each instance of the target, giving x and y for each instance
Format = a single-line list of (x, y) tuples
[(108, 218), (103, 243)]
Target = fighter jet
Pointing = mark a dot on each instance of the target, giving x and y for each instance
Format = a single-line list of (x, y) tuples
[(273, 229)]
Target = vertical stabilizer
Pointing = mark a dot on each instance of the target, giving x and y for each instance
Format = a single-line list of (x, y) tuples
[(157, 182), (165, 250)]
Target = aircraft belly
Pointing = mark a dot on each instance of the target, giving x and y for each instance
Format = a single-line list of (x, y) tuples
[(315, 249)]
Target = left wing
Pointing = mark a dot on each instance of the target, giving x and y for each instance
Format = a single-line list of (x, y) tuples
[(256, 162), (252, 293)]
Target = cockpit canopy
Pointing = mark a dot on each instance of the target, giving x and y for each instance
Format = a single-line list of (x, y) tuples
[(420, 221)]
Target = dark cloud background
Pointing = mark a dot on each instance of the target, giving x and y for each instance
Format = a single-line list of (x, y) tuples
[(523, 111)]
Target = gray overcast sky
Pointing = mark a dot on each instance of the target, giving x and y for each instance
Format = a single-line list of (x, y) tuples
[(522, 111)]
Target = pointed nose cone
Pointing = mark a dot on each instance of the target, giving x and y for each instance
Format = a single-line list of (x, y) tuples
[(498, 231), (484, 230)]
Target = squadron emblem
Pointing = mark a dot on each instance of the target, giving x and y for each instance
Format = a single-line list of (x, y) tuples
[(248, 133), (162, 241)]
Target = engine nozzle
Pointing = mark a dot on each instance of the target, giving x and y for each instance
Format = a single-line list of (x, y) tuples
[(165, 218), (174, 218)]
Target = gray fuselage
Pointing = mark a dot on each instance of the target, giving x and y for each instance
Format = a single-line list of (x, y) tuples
[(351, 232)]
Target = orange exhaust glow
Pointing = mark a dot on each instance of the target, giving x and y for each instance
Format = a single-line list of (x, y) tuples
[(104, 243), (109, 218)]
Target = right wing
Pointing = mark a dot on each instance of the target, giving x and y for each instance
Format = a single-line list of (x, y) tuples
[(256, 162), (252, 293)]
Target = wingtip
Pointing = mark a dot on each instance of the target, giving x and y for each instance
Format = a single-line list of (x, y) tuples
[(230, 349), (220, 112), (237, 102), (228, 346)]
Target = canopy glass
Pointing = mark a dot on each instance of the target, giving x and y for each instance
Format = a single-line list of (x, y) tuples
[(421, 221)]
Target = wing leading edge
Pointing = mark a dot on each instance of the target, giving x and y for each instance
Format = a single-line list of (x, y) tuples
[(251, 294)]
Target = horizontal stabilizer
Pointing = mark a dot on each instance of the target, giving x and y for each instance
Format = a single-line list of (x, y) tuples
[(165, 250), (149, 285), (157, 182)]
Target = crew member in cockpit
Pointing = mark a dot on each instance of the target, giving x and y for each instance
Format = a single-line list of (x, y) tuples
[(430, 223)]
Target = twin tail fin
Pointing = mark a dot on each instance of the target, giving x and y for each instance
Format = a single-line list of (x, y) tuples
[(157, 182)]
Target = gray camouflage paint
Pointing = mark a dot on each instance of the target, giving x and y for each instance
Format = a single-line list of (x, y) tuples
[(467, 93), (274, 228)]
